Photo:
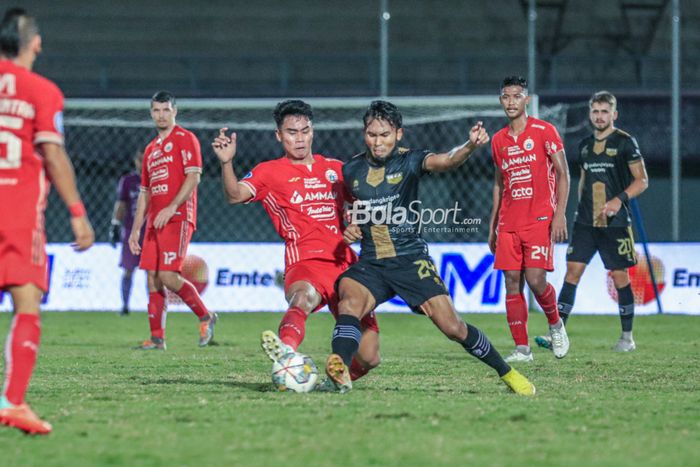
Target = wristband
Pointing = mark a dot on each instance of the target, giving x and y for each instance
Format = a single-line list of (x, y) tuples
[(77, 209), (623, 196)]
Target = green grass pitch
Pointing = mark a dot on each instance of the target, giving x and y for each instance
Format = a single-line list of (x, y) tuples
[(429, 403)]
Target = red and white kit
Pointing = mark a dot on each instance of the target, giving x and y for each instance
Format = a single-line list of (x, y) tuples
[(166, 163), (529, 195), (305, 204), (31, 113)]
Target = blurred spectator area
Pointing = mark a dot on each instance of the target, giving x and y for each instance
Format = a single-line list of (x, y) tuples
[(240, 48)]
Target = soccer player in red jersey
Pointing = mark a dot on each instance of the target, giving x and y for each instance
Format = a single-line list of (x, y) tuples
[(529, 214), (32, 156), (172, 166), (303, 194)]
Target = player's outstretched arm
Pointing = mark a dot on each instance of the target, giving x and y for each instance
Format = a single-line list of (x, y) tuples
[(561, 168), (443, 162), (640, 183), (60, 172), (497, 195), (225, 149)]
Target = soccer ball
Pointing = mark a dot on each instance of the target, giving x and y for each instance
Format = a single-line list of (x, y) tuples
[(195, 270), (295, 372)]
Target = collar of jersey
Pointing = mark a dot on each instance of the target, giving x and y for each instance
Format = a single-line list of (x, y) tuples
[(379, 162)]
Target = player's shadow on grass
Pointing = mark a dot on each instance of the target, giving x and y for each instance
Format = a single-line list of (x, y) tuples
[(257, 387)]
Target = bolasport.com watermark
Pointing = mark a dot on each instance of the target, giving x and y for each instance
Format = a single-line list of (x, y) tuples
[(414, 218)]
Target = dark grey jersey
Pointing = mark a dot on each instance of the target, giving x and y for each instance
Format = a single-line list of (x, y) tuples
[(385, 206), (605, 165)]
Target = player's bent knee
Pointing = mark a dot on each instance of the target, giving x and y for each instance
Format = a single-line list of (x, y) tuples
[(350, 307), (454, 331)]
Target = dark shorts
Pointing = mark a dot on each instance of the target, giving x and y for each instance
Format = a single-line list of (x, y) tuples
[(414, 278), (615, 245)]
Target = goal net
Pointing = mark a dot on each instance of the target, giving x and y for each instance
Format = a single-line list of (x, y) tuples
[(102, 137)]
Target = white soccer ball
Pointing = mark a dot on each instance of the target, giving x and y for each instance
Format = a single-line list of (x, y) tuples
[(295, 372)]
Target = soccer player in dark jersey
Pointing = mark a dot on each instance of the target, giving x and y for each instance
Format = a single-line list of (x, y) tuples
[(612, 173), (394, 259), (128, 190), (530, 191)]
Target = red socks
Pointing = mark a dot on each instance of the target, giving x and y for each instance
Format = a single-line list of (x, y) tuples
[(293, 327), (516, 313), (20, 355), (548, 302), (157, 313), (191, 297), (357, 371)]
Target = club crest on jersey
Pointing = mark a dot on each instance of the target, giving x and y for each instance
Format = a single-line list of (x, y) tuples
[(395, 178), (296, 198), (355, 183), (612, 152), (331, 175), (168, 147), (528, 144)]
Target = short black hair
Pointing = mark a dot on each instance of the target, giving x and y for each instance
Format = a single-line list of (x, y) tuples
[(163, 96), (514, 81), (292, 107), (383, 110), (16, 30)]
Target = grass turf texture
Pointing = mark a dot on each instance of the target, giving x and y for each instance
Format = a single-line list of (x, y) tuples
[(429, 403)]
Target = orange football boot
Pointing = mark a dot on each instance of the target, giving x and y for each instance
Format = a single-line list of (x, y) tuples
[(22, 417)]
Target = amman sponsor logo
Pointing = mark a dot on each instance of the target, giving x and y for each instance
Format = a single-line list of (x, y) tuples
[(160, 160), (313, 196), (518, 161)]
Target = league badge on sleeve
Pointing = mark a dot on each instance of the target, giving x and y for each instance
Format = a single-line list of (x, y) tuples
[(331, 175)]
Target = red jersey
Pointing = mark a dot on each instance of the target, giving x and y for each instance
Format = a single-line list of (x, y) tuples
[(305, 203), (31, 113), (166, 163), (529, 179)]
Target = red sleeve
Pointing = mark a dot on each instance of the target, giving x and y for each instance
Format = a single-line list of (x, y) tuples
[(144, 169), (49, 115), (256, 181), (494, 150), (552, 140), (191, 154)]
